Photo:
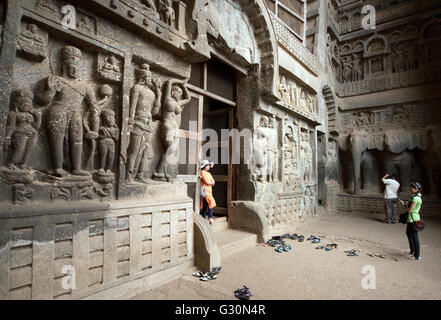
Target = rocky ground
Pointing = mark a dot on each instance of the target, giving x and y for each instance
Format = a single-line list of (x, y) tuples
[(309, 273)]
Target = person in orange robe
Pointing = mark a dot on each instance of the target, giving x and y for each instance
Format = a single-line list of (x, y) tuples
[(208, 203)]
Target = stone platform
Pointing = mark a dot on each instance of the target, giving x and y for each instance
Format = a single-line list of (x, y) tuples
[(104, 244)]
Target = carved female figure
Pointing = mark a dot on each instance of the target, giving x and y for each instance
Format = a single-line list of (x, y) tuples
[(260, 141), (22, 128), (108, 134), (175, 99)]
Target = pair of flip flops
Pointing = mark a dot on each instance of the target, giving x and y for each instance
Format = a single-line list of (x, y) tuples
[(351, 253), (211, 275), (283, 248), (275, 243), (243, 293)]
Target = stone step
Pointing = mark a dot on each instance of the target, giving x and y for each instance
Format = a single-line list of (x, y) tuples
[(219, 224), (231, 241)]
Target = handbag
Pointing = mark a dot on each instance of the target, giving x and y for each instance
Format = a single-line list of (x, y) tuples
[(203, 191), (403, 218)]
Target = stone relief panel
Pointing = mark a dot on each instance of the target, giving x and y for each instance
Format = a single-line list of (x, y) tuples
[(298, 98), (31, 42), (392, 58), (394, 139)]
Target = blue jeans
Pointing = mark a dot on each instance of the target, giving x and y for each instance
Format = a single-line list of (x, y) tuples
[(205, 209)]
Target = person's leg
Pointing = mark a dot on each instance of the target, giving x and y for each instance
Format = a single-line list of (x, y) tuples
[(416, 242), (394, 211), (387, 205), (210, 215), (204, 208), (410, 238)]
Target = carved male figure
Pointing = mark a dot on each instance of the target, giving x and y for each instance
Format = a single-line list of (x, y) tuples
[(260, 148), (65, 94), (144, 105), (108, 134), (357, 72), (175, 99), (111, 65), (22, 128), (167, 12), (306, 156), (347, 70), (272, 150)]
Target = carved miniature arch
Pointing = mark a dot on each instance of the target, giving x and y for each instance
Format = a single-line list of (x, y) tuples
[(358, 46), (265, 40), (376, 45), (431, 29)]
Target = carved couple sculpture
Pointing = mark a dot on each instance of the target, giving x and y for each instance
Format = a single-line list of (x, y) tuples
[(145, 104)]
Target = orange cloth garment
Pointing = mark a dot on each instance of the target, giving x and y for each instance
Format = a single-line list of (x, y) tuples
[(206, 177)]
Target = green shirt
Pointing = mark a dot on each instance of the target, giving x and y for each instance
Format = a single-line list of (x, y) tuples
[(414, 215)]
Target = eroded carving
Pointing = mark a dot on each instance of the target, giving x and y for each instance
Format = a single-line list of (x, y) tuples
[(31, 43), (176, 96), (167, 12), (145, 102)]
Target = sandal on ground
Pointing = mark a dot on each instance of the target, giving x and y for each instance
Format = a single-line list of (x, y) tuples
[(334, 245), (316, 240), (279, 249), (294, 236), (329, 248), (301, 238), (285, 236), (198, 274), (287, 248), (243, 293), (320, 247), (311, 237)]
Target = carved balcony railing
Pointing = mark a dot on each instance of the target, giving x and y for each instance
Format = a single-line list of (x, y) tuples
[(426, 74), (295, 47), (391, 13)]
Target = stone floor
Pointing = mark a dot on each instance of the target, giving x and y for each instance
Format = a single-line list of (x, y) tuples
[(308, 273)]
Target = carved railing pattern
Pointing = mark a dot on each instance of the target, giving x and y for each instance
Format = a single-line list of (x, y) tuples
[(426, 74), (295, 47)]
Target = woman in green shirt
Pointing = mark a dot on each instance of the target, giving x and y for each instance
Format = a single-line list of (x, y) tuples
[(413, 208)]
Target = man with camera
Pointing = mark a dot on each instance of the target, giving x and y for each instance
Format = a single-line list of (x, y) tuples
[(390, 197)]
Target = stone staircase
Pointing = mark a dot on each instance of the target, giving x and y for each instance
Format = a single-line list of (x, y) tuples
[(231, 241)]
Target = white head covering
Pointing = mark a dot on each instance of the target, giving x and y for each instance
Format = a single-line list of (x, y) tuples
[(206, 163)]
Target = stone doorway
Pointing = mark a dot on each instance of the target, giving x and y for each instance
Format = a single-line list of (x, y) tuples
[(213, 86)]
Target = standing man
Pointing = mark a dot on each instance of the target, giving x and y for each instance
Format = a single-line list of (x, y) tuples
[(390, 197)]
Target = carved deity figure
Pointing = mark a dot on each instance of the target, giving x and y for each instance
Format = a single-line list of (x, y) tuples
[(144, 105), (47, 5), (91, 123), (175, 98), (303, 103), (167, 12), (398, 58), (272, 150), (347, 69), (331, 161), (108, 134), (86, 23), (22, 128), (32, 43), (357, 72), (65, 94), (283, 89), (149, 4), (290, 156), (260, 142), (111, 65), (306, 157)]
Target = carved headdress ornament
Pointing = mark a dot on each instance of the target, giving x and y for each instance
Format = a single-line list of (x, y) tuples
[(70, 54)]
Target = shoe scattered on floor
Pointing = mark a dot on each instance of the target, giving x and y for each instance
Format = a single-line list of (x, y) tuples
[(301, 238), (243, 293), (311, 237), (294, 236), (320, 247), (316, 240), (328, 248), (211, 275), (352, 253)]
